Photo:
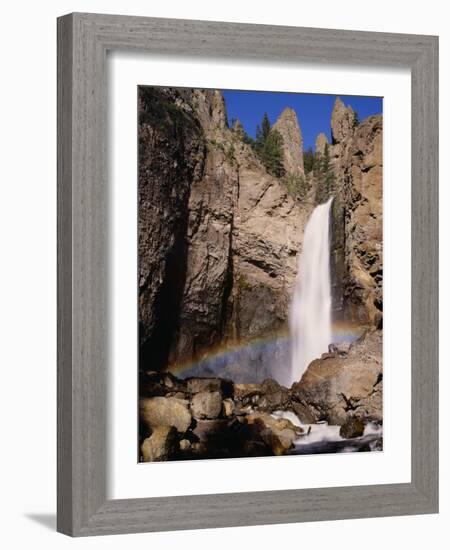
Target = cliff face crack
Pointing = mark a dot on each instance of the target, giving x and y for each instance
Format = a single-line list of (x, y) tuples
[(262, 195)]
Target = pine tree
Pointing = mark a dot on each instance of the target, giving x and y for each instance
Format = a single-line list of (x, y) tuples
[(272, 153), (262, 133), (269, 147), (308, 160), (326, 181), (265, 127)]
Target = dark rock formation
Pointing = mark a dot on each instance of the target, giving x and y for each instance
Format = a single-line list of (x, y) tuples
[(171, 157)]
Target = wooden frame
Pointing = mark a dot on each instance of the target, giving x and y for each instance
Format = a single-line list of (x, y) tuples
[(83, 40)]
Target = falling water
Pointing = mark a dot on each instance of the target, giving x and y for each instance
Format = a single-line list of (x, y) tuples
[(310, 314)]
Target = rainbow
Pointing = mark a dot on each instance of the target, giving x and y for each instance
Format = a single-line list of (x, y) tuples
[(255, 358)]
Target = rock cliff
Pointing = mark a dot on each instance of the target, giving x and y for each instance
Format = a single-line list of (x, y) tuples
[(288, 126), (343, 121), (321, 143), (219, 236), (359, 191), (222, 265), (356, 159)]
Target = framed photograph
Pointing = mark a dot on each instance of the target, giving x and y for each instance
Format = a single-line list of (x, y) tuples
[(247, 274)]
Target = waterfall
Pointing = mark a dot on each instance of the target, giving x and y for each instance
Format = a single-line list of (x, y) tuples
[(310, 312)]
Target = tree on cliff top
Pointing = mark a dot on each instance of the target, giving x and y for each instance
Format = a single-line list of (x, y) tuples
[(308, 160), (262, 133), (324, 174), (269, 147), (272, 154)]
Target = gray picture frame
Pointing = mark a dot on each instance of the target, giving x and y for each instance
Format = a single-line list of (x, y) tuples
[(83, 240)]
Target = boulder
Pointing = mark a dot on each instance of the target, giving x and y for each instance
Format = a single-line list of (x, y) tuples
[(185, 445), (274, 396), (205, 430), (165, 411), (278, 434), (336, 387), (206, 404), (268, 396), (341, 348), (228, 407), (161, 445), (353, 427), (303, 412), (196, 385)]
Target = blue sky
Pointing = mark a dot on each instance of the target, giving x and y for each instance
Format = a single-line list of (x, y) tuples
[(313, 110)]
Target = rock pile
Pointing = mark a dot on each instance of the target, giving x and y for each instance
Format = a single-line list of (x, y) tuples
[(211, 418), (215, 418)]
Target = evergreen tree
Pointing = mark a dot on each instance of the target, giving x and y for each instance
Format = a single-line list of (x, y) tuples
[(265, 127), (262, 133), (248, 139), (326, 181), (308, 160), (272, 153), (268, 145)]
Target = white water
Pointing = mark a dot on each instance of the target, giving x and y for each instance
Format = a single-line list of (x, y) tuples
[(310, 313), (323, 432)]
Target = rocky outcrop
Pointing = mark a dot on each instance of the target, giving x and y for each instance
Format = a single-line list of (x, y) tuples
[(268, 228), (288, 126), (343, 121), (359, 174), (171, 156), (340, 386), (321, 143), (356, 262)]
